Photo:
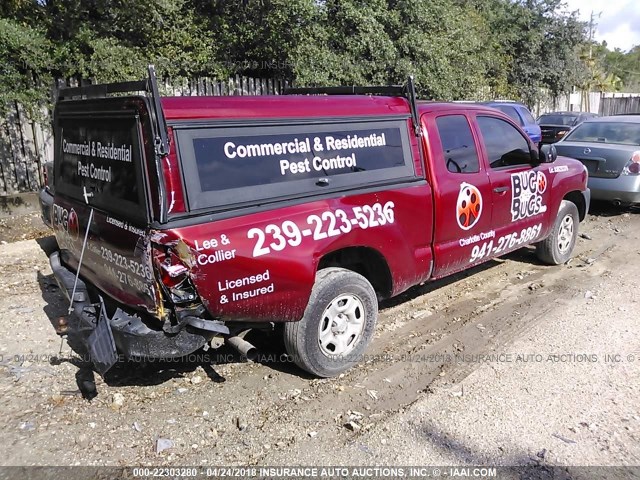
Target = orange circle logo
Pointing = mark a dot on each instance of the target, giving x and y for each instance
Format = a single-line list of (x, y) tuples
[(542, 182), (469, 206)]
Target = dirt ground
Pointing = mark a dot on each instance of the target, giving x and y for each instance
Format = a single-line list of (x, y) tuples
[(511, 363), (22, 227)]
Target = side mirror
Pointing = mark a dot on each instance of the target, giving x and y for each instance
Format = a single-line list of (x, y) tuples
[(548, 153)]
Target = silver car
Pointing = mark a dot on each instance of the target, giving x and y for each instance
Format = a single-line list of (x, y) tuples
[(610, 149)]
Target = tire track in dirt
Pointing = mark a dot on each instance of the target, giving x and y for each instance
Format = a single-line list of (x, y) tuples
[(503, 317), (484, 320)]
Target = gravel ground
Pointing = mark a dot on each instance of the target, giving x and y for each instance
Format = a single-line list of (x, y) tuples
[(565, 392), (561, 386)]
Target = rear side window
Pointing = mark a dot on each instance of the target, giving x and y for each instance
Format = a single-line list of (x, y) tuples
[(511, 111), (457, 144), (238, 165), (101, 155), (528, 118), (504, 144)]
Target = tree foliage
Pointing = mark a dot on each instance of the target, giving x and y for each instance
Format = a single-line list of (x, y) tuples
[(456, 49), (536, 47), (24, 65), (440, 42), (349, 45), (623, 66), (443, 45), (257, 37)]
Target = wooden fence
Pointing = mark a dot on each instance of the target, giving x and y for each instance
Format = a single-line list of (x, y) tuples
[(618, 105), (25, 144), (237, 85)]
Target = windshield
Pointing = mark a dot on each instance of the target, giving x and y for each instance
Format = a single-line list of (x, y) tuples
[(606, 132), (557, 120)]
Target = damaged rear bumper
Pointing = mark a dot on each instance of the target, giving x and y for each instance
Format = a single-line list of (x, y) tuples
[(92, 332)]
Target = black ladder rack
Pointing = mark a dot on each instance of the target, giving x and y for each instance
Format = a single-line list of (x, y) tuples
[(102, 90), (407, 90)]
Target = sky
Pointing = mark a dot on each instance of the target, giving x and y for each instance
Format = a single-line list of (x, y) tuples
[(618, 22)]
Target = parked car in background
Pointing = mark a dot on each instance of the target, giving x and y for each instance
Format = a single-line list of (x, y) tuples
[(610, 149), (556, 125), (520, 114)]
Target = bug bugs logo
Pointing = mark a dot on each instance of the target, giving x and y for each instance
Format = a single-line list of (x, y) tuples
[(469, 206), (527, 189), (67, 226)]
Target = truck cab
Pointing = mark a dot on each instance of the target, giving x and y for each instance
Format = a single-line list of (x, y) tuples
[(505, 196)]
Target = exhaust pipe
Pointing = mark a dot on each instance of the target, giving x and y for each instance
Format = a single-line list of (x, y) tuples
[(617, 203), (243, 347)]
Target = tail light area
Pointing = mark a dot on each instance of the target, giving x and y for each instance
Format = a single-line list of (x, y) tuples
[(173, 275), (47, 175), (180, 298), (633, 165)]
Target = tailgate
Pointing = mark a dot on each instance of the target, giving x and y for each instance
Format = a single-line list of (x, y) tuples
[(102, 148)]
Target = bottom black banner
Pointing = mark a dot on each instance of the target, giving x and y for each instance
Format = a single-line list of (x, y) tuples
[(531, 472)]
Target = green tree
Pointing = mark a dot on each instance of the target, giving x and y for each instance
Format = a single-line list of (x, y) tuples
[(381, 42), (535, 46), (625, 66), (108, 40), (443, 44), (256, 37), (456, 49), (349, 45), (24, 66)]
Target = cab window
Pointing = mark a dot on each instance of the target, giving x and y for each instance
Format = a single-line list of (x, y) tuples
[(504, 144), (459, 149)]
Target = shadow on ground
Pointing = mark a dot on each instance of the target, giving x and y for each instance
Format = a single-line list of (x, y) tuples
[(599, 208)]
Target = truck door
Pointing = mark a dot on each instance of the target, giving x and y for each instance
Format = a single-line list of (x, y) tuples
[(519, 187), (461, 188)]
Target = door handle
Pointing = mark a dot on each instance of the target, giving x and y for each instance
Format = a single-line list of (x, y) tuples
[(500, 189)]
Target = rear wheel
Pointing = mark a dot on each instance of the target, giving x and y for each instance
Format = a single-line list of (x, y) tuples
[(557, 248), (337, 325)]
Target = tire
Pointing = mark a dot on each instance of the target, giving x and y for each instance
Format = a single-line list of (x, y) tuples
[(337, 325), (557, 248)]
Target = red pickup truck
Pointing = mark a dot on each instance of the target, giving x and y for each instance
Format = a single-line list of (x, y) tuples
[(188, 219)]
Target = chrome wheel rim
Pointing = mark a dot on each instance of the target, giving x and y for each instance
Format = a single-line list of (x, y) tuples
[(565, 234), (341, 325)]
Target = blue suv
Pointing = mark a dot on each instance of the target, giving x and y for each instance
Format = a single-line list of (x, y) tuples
[(521, 115)]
